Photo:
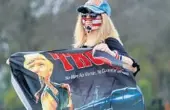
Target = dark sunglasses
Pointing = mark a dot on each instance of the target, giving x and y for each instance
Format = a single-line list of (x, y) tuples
[(92, 15)]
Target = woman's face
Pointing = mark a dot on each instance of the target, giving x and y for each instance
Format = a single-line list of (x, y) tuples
[(38, 64), (91, 21)]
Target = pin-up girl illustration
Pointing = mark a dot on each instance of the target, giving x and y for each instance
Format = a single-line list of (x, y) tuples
[(54, 96)]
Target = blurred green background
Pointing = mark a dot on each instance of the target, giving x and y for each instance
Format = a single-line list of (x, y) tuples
[(143, 25)]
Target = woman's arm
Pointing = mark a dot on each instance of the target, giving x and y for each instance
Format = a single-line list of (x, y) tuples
[(128, 63)]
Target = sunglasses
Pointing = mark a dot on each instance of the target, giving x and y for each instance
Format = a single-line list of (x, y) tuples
[(92, 15)]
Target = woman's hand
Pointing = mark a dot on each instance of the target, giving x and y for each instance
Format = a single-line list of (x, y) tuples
[(103, 47), (67, 86)]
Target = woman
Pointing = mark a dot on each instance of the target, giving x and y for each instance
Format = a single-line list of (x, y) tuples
[(54, 96), (94, 28)]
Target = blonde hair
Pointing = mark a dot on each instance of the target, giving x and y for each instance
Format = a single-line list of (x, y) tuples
[(106, 30), (43, 81)]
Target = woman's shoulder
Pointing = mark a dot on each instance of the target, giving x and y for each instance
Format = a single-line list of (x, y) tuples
[(113, 41), (114, 44)]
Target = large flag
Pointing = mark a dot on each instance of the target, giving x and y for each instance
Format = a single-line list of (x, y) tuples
[(73, 80)]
